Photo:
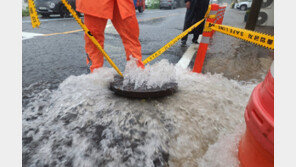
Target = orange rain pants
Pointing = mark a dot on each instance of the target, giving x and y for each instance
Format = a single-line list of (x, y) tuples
[(123, 16)]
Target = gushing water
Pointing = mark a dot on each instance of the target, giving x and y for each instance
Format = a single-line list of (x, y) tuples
[(82, 123), (153, 76)]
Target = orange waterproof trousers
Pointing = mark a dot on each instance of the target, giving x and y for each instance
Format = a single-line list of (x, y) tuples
[(127, 28)]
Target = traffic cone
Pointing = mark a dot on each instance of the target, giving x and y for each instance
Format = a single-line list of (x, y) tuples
[(256, 148), (203, 46), (222, 15)]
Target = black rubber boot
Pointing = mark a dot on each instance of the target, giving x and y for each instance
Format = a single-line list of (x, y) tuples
[(194, 40), (183, 43)]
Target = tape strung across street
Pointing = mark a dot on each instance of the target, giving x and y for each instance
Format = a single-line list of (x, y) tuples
[(257, 38), (33, 14), (172, 42)]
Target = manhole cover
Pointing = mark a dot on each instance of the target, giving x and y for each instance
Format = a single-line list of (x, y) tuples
[(142, 92)]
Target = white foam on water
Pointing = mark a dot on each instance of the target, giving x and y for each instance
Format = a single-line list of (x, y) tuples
[(225, 151), (83, 123), (152, 76)]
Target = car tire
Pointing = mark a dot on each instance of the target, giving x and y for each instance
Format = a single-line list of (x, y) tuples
[(243, 7), (140, 9), (64, 12), (45, 15)]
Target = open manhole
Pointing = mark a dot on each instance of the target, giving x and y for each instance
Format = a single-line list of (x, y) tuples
[(142, 92)]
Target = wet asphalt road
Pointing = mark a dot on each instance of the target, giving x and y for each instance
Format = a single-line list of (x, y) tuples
[(58, 52)]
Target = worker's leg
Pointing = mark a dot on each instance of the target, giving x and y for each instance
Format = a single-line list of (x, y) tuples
[(187, 23), (97, 27), (197, 32), (128, 30)]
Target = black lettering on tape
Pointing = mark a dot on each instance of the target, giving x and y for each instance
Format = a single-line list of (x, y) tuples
[(250, 36), (262, 39), (256, 38), (269, 41)]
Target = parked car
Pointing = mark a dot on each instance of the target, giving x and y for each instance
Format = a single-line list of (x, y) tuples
[(214, 1), (48, 7), (244, 5), (172, 4), (140, 5)]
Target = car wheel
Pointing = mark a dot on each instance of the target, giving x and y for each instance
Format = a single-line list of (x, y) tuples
[(45, 15), (64, 12), (243, 7), (140, 9)]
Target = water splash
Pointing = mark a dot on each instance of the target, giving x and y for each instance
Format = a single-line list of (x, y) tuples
[(152, 76), (82, 123)]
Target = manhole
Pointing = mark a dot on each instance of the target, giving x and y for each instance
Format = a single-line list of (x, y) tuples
[(142, 92)]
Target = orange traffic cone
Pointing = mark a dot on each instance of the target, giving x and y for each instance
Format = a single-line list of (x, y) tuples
[(203, 46), (256, 148)]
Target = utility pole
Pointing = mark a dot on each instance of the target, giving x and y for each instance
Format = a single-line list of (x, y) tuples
[(253, 15)]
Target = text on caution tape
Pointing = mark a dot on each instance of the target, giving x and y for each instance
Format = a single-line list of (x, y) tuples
[(33, 14), (247, 35)]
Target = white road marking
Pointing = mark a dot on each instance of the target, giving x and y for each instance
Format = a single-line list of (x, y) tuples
[(29, 35), (186, 58)]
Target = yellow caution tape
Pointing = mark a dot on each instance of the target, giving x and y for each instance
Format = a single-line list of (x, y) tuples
[(173, 41), (212, 16), (257, 38), (91, 37), (33, 14), (208, 11)]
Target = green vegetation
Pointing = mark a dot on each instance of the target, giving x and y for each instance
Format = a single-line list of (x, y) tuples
[(153, 4), (25, 12)]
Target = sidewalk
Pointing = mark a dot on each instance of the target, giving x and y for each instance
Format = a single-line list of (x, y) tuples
[(235, 58)]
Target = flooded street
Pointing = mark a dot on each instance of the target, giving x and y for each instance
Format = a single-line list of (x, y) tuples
[(83, 123), (75, 120)]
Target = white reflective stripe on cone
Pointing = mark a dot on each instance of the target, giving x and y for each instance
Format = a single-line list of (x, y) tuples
[(213, 12), (205, 40), (272, 69)]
